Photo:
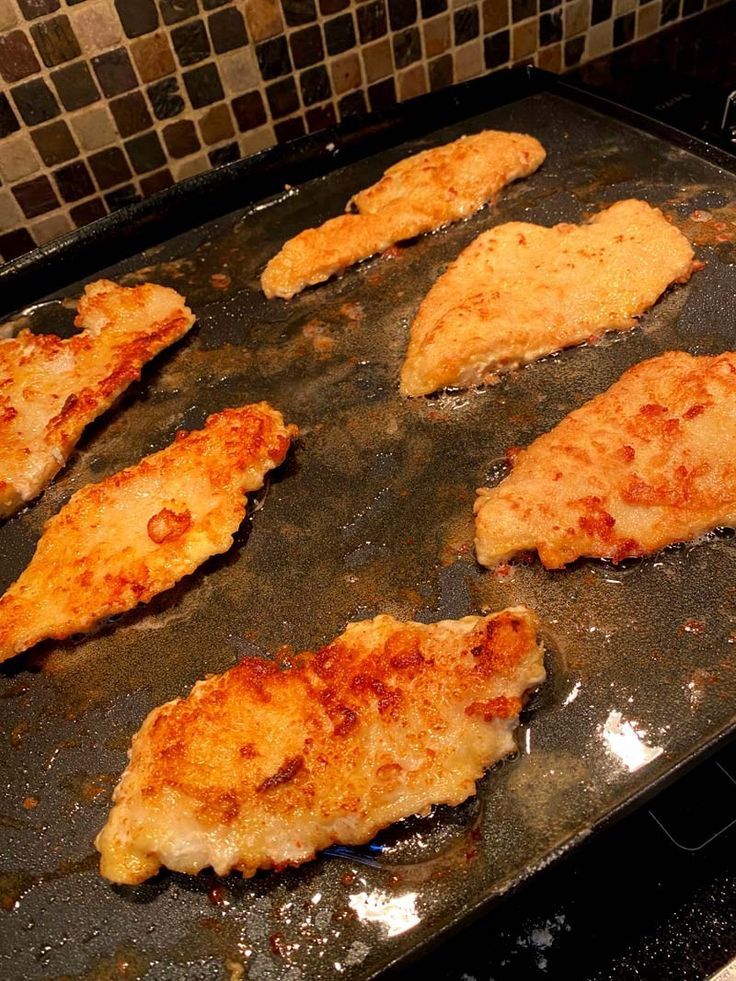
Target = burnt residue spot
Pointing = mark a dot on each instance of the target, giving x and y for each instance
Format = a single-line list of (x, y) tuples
[(285, 773)]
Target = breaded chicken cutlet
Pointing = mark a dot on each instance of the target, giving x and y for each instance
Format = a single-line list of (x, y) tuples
[(416, 195), (121, 542), (650, 462), (522, 291), (262, 767), (50, 388)]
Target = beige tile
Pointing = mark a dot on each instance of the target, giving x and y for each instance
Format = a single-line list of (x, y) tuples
[(50, 227), (8, 15), (524, 40), (94, 128), (412, 82), (345, 72), (190, 167), (239, 70), (10, 213), (18, 158), (377, 60), (256, 139), (577, 17), (468, 61), (624, 7), (647, 20), (263, 18), (436, 35), (600, 39), (96, 25), (550, 58)]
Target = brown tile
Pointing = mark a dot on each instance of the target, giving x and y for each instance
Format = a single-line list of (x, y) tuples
[(436, 35), (377, 60), (282, 96), (8, 15), (36, 196), (55, 143), (327, 7), (50, 228), (227, 30), (165, 98), (468, 61), (320, 117), (263, 18), (226, 154), (88, 211), (35, 101), (550, 58), (8, 119), (55, 41), (152, 183), (238, 70), (130, 113), (298, 12), (407, 47), (577, 17), (145, 152), (153, 56), (114, 72), (75, 85), (203, 85), (249, 111), (174, 11), (16, 243), (94, 128), (441, 72), (18, 158), (74, 181), (31, 9), (191, 42), (524, 40), (382, 95), (345, 73), (17, 59), (412, 82), (315, 85), (109, 167), (307, 47), (120, 197), (96, 26), (137, 16), (495, 15), (289, 129), (216, 125), (181, 138)]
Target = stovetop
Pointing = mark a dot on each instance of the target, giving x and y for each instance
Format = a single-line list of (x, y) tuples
[(654, 898)]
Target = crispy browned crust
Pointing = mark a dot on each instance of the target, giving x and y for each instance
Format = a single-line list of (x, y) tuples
[(521, 291), (120, 542), (416, 195), (261, 767), (649, 462), (50, 388)]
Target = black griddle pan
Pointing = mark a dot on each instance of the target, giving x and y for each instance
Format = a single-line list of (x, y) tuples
[(371, 513)]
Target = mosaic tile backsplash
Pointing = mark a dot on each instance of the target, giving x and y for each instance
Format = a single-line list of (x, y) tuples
[(103, 102)]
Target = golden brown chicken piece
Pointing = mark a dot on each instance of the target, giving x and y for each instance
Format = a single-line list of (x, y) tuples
[(50, 388), (121, 542), (521, 291), (261, 767), (649, 462), (416, 195)]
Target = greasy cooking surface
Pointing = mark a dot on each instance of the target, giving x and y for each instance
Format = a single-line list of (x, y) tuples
[(372, 513)]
